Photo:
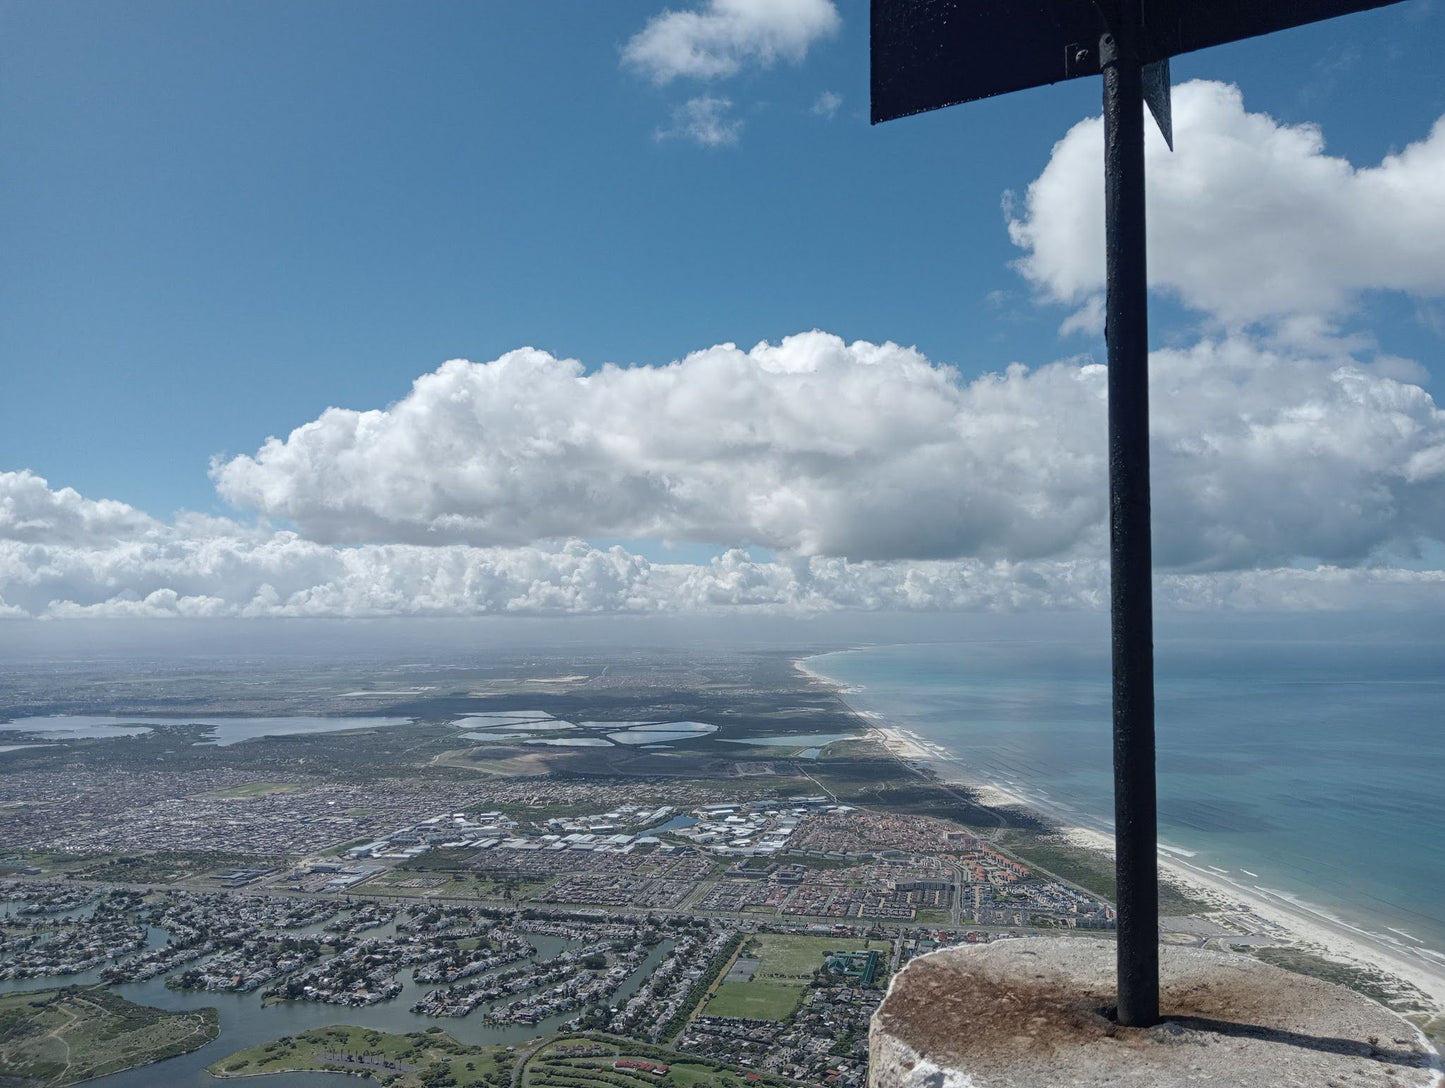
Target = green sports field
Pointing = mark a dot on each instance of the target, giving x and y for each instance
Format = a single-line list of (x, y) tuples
[(756, 1000), (788, 957), (786, 964)]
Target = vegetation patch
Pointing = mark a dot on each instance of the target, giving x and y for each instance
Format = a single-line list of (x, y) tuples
[(413, 880), (859, 748), (420, 1059), (57, 1037), (1092, 870), (899, 789), (167, 866), (1374, 984), (37, 862), (611, 1062)]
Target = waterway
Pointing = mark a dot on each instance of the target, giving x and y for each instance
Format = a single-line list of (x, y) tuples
[(246, 1020), (223, 731), (810, 742)]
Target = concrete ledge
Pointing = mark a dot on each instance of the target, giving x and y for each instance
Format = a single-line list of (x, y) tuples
[(1031, 1014)]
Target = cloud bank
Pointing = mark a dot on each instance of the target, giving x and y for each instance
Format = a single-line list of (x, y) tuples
[(870, 452), (209, 567), (721, 37), (1292, 471), (1249, 220)]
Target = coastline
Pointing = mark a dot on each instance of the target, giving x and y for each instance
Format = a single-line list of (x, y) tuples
[(801, 665), (1295, 922), (1301, 924)]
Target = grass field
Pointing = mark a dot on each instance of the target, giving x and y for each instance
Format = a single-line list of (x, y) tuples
[(786, 964), (757, 1000), (454, 885), (56, 1037), (793, 958)]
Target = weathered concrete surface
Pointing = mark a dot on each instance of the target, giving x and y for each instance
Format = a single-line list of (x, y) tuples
[(1031, 1014)]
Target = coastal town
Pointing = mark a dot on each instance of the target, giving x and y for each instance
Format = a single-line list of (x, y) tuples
[(680, 870), (641, 919), (723, 544)]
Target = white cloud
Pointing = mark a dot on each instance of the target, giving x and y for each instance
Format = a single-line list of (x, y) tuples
[(206, 567), (1318, 589), (31, 512), (817, 447), (1249, 219), (1088, 318), (827, 104), (722, 36), (705, 122)]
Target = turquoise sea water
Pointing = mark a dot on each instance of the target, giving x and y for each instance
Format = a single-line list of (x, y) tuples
[(1317, 767)]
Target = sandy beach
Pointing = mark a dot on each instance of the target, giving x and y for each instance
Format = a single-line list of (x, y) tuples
[(1296, 921), (801, 664), (1288, 919)]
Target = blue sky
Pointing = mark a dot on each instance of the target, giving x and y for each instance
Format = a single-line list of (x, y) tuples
[(222, 219)]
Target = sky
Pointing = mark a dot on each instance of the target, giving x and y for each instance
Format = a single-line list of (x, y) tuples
[(349, 309)]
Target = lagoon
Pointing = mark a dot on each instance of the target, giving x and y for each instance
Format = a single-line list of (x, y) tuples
[(222, 731), (795, 740)]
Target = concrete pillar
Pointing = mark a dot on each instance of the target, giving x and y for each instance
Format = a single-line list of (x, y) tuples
[(1035, 1013)]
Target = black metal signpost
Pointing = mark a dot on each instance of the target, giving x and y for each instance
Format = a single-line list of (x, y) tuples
[(932, 53)]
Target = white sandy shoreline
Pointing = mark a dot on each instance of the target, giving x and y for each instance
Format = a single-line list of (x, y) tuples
[(801, 664), (1291, 919), (1298, 921)]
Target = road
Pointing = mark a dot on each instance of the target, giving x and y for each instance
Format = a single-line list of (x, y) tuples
[(742, 920)]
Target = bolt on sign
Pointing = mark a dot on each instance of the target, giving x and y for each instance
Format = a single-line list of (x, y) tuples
[(927, 54)]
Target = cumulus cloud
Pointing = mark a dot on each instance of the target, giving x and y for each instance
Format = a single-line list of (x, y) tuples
[(722, 36), (1291, 471), (1249, 219), (207, 567), (867, 451), (31, 512), (705, 122)]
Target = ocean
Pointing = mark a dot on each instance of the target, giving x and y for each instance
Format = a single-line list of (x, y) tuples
[(1312, 770)]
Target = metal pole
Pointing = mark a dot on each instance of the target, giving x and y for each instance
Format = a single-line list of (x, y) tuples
[(1130, 563)]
